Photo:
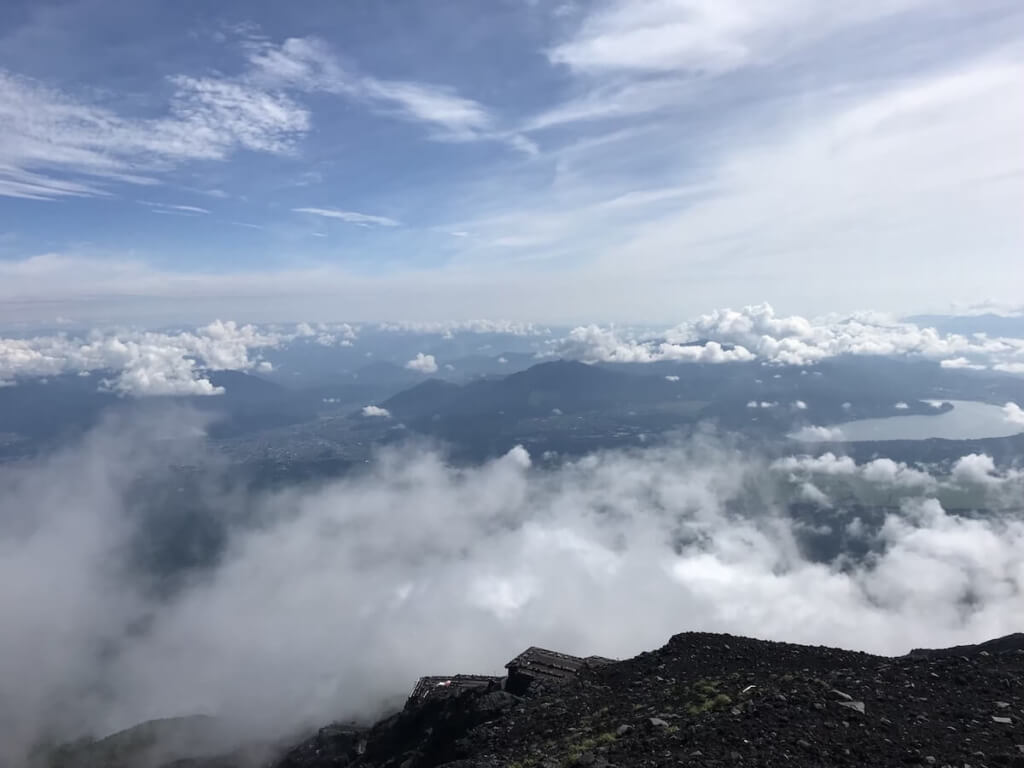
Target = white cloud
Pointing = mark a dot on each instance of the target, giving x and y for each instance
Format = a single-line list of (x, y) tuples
[(57, 145), (908, 129), (464, 560), (594, 344), (671, 378), (50, 134), (350, 217), (974, 468), (961, 362), (449, 328), (884, 480), (885, 471), (170, 207), (698, 35), (310, 64), (756, 331), (422, 363), (761, 404), (431, 104), (1014, 413), (376, 411), (615, 100), (799, 405), (827, 147), (818, 433), (810, 492), (141, 362), (328, 334), (826, 463), (901, 406)]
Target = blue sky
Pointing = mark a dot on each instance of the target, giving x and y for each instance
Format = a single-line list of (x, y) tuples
[(549, 161)]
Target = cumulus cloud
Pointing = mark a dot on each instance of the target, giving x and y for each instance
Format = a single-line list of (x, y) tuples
[(961, 362), (815, 433), (901, 406), (799, 405), (972, 481), (141, 362), (826, 463), (594, 344), (1014, 413), (810, 492), (323, 587), (376, 411), (671, 378), (975, 468), (327, 334), (757, 332), (422, 363)]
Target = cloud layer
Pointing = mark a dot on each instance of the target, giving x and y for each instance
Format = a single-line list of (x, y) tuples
[(163, 363), (142, 362), (758, 332), (329, 601)]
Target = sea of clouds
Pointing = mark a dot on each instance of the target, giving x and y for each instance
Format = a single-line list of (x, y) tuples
[(328, 601), (144, 362)]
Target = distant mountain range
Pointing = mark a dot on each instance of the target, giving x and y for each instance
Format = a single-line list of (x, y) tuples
[(558, 405), (566, 386)]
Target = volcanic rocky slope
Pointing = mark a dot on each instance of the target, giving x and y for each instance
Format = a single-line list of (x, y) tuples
[(717, 700)]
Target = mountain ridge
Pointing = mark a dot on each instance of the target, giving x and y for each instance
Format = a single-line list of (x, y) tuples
[(702, 699)]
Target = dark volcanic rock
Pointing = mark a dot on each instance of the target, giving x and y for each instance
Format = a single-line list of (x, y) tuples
[(718, 700), (701, 700), (1014, 642)]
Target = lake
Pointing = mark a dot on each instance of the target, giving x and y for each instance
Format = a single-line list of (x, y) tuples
[(967, 421)]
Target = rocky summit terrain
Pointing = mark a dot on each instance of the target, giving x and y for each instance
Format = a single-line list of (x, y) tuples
[(717, 700), (701, 700)]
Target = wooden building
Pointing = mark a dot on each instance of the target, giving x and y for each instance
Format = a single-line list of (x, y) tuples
[(440, 686), (540, 664)]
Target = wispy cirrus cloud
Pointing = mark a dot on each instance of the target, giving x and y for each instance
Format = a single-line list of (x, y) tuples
[(614, 100), (58, 145), (437, 105), (701, 35), (351, 217), (310, 64), (175, 208)]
